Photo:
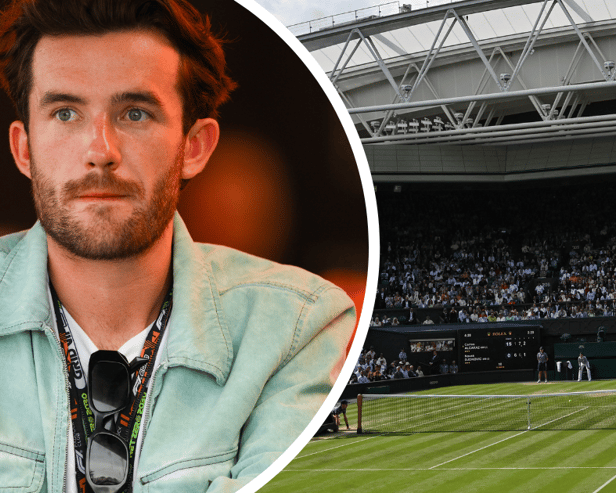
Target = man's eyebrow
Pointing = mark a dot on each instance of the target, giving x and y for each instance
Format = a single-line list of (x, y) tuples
[(137, 97), (52, 97)]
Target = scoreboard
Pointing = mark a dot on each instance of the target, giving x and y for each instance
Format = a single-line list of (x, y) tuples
[(510, 348)]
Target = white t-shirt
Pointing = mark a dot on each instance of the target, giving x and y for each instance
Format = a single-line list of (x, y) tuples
[(85, 347)]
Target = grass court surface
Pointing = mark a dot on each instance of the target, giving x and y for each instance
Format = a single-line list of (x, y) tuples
[(542, 460)]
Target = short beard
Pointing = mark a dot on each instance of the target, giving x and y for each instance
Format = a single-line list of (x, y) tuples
[(104, 237)]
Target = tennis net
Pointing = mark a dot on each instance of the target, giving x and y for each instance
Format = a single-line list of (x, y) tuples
[(414, 413)]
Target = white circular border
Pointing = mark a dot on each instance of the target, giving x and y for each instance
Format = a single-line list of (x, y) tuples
[(373, 242)]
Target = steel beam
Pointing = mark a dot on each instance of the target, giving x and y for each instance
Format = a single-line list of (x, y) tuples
[(530, 42), (486, 97), (580, 35), (499, 131), (336, 35)]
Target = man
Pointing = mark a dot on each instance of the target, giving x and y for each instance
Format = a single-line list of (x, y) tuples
[(542, 365), (434, 363), (371, 354), (378, 376), (583, 364), (117, 102), (341, 409), (363, 378)]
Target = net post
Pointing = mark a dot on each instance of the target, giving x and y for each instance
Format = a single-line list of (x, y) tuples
[(528, 410), (360, 399)]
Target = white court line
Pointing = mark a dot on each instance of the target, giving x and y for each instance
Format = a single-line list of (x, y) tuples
[(604, 484), (406, 469), (479, 449), (334, 448), (505, 439)]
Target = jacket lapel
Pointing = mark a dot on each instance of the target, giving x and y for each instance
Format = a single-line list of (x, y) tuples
[(23, 284), (198, 334)]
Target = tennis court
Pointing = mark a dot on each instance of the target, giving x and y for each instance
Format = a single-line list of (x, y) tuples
[(526, 461)]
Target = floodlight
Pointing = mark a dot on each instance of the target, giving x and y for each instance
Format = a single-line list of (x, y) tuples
[(391, 127), (406, 90)]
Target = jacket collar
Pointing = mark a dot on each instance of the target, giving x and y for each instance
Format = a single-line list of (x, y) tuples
[(24, 302), (198, 335)]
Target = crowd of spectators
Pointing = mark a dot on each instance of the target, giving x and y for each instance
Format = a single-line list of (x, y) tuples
[(500, 255), (369, 368)]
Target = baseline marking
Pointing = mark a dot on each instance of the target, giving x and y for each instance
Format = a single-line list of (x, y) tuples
[(457, 469)]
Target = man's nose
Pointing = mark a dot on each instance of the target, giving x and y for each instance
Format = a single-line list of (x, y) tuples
[(103, 146)]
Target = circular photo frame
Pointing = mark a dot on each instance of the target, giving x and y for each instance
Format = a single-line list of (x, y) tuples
[(288, 181)]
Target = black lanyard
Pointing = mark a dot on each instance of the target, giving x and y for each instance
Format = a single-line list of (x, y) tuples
[(82, 417)]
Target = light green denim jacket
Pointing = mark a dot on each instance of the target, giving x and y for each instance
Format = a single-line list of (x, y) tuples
[(252, 350)]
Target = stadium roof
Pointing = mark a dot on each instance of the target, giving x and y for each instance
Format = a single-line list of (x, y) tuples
[(472, 71), (398, 30)]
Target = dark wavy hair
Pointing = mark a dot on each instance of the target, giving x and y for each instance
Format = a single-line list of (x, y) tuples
[(203, 83)]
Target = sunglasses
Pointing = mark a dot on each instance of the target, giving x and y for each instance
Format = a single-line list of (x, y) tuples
[(109, 384)]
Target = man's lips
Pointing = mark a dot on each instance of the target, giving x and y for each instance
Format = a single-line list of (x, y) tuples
[(107, 187), (101, 196)]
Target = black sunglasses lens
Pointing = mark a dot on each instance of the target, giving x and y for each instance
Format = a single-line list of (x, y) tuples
[(108, 460), (109, 386)]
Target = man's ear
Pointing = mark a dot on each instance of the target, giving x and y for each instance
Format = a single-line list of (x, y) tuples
[(18, 139), (199, 146)]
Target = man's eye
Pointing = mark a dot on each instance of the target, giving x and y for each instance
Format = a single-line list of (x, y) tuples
[(137, 115), (65, 115)]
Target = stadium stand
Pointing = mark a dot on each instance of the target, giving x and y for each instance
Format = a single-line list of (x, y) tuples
[(476, 255)]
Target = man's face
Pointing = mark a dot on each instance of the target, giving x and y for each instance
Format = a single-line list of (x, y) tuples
[(105, 141)]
